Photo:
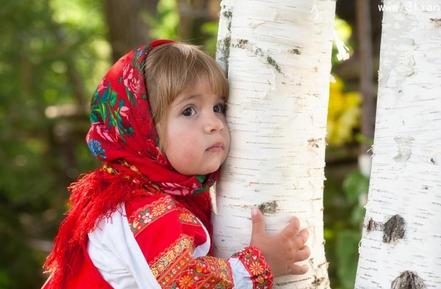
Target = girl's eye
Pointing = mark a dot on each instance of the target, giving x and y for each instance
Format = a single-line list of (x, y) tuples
[(220, 108), (189, 111)]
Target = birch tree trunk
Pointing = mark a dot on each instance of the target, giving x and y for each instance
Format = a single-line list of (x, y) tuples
[(401, 244), (278, 58)]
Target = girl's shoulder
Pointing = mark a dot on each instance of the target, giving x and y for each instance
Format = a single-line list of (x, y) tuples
[(145, 207)]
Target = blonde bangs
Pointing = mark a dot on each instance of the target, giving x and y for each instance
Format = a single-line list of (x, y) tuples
[(173, 68)]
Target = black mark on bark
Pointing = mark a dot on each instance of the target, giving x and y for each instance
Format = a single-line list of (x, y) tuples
[(394, 229), (408, 280), (437, 21), (273, 63), (295, 51), (374, 226), (258, 52), (229, 15), (245, 44), (313, 142), (268, 207), (285, 283), (241, 43), (432, 160), (224, 48), (317, 281), (224, 44)]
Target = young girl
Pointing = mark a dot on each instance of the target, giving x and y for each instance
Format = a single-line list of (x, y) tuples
[(142, 220)]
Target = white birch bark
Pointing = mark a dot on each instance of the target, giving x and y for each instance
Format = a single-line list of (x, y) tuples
[(278, 58), (401, 244)]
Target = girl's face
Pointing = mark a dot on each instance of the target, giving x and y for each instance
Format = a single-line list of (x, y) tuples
[(195, 131)]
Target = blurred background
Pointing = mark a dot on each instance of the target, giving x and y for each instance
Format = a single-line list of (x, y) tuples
[(53, 54)]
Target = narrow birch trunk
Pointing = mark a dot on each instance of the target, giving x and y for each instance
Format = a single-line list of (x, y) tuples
[(278, 58), (401, 244)]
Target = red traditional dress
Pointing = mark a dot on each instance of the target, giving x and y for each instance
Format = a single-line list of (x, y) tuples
[(136, 222)]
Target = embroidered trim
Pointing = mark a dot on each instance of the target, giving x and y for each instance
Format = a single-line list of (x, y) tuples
[(254, 262), (207, 273), (141, 218), (187, 217), (149, 186), (172, 261), (176, 268)]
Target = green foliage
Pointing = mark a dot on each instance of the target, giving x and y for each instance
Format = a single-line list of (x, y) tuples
[(345, 245), (344, 196), (210, 29), (165, 24), (44, 46), (344, 213)]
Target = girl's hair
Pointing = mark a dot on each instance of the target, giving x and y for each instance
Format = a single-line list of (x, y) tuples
[(171, 69)]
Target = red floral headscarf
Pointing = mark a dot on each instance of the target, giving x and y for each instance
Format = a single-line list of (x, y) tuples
[(123, 135), (123, 127)]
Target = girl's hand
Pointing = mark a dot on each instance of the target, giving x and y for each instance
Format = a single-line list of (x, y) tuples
[(282, 250)]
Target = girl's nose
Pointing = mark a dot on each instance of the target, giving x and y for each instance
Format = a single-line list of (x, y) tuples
[(213, 123)]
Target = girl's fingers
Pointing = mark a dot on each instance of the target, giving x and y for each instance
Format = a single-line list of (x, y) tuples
[(258, 222), (302, 254), (295, 221), (298, 269), (292, 228), (302, 237)]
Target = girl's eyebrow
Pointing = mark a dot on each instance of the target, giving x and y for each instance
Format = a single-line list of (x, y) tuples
[(187, 97)]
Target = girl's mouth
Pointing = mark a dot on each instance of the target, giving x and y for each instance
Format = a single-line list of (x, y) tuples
[(216, 147)]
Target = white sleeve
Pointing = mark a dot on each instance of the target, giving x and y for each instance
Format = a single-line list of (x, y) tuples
[(241, 277), (117, 256)]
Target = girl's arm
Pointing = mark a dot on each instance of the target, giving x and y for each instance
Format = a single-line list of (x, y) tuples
[(175, 245), (154, 243)]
